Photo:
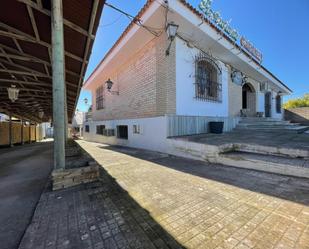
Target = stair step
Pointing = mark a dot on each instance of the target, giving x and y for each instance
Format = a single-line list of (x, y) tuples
[(294, 129), (267, 123), (256, 119), (269, 163)]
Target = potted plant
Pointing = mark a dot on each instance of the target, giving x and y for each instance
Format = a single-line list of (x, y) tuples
[(216, 127)]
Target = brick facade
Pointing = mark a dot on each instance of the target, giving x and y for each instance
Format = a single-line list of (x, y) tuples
[(235, 97), (146, 83)]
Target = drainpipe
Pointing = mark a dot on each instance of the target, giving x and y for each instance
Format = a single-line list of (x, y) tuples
[(58, 83), (10, 131)]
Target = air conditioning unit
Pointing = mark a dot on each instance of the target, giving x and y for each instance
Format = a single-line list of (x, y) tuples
[(109, 132), (264, 87)]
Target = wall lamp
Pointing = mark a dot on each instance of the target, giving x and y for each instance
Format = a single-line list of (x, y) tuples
[(171, 30), (109, 85)]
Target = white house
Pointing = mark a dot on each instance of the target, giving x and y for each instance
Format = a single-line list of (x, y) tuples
[(155, 83), (78, 122)]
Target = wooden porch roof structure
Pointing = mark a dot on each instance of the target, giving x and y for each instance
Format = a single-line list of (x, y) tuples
[(25, 53)]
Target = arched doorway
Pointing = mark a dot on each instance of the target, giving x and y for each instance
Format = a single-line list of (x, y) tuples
[(249, 99)]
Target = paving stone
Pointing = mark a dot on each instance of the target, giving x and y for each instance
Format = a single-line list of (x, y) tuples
[(150, 200)]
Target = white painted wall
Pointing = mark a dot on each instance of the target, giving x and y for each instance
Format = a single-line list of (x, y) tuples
[(274, 113), (261, 102), (153, 135), (186, 104)]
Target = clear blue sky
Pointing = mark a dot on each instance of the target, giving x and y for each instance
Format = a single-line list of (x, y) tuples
[(278, 28)]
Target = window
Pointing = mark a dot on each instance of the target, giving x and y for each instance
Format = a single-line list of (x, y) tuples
[(278, 104), (100, 129), (122, 131), (99, 98), (86, 128), (137, 129), (206, 81), (109, 132)]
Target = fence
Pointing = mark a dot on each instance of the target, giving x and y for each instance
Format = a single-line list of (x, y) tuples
[(297, 115), (189, 125), (30, 134)]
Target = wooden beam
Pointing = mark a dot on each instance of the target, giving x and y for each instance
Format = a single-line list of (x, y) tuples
[(34, 83), (48, 13), (17, 45), (26, 56), (33, 23), (23, 58), (26, 37), (90, 31), (24, 73)]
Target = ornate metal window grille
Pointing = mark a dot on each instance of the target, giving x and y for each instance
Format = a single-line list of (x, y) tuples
[(100, 98), (207, 86)]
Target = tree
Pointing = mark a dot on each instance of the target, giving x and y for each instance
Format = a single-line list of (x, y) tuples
[(299, 102)]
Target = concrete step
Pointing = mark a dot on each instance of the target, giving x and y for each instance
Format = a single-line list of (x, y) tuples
[(264, 122), (269, 163), (266, 126), (291, 152), (294, 129), (256, 119), (268, 123)]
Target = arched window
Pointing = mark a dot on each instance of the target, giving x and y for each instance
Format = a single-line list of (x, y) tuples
[(206, 81), (278, 104)]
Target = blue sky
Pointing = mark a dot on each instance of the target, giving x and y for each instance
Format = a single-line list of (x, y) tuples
[(279, 29)]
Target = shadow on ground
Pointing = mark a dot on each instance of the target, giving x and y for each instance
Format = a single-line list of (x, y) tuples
[(289, 188), (24, 171), (94, 215)]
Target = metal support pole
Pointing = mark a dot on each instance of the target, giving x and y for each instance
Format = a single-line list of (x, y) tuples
[(10, 131), (35, 132), (22, 131), (58, 83), (65, 114), (29, 131)]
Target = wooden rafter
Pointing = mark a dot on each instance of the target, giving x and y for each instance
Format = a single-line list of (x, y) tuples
[(30, 69), (90, 31), (65, 21), (19, 35), (27, 57)]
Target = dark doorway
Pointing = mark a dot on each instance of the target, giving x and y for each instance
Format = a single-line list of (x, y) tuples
[(268, 104), (244, 99), (122, 131)]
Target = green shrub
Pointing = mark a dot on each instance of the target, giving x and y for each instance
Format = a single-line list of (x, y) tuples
[(299, 102)]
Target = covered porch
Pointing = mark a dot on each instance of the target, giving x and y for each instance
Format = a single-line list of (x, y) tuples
[(44, 52)]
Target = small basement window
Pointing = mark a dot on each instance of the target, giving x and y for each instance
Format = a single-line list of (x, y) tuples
[(100, 129), (136, 129), (122, 131), (87, 128)]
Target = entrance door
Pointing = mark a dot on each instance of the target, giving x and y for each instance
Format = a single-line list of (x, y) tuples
[(268, 104)]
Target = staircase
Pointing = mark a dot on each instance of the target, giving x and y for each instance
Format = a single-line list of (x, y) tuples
[(268, 156), (269, 125)]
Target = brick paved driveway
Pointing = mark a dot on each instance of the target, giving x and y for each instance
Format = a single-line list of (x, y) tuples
[(189, 202)]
